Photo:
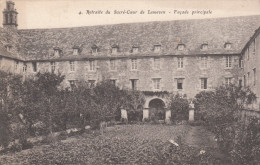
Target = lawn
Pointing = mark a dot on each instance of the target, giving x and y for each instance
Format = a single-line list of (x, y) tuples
[(121, 144)]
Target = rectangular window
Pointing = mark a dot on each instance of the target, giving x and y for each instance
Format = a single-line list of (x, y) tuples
[(228, 61), (91, 83), (53, 66), (156, 63), (134, 64), (112, 64), (228, 81), (134, 84), (254, 70), (75, 51), (92, 65), (114, 50), (135, 50), (180, 83), (34, 65), (180, 62), (241, 63), (204, 60), (24, 67), (204, 83), (157, 48), (72, 66), (156, 83)]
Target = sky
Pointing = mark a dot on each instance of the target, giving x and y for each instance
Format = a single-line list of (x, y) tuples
[(34, 14)]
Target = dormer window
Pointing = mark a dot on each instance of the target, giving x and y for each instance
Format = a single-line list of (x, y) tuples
[(94, 49), (75, 50), (114, 49), (204, 46), (227, 45), (157, 48), (57, 51), (180, 47), (135, 49), (8, 47)]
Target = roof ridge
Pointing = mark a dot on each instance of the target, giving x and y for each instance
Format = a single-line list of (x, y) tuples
[(138, 23)]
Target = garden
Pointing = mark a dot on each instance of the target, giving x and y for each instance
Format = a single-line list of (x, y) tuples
[(43, 123)]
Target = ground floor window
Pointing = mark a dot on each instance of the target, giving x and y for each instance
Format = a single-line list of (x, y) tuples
[(180, 83), (204, 83)]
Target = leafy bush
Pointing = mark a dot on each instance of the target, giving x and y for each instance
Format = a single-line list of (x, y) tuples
[(16, 147), (179, 107), (5, 133), (220, 110), (246, 148)]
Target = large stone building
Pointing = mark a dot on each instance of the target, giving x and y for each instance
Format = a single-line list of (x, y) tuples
[(181, 56)]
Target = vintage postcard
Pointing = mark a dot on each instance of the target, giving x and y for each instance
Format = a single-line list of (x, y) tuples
[(130, 82)]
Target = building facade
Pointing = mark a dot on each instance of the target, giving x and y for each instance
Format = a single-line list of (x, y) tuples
[(182, 56)]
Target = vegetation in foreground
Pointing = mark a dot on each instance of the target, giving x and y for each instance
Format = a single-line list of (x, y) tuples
[(124, 144)]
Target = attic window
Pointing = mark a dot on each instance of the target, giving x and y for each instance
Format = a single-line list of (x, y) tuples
[(157, 48), (94, 48), (75, 50), (57, 51), (180, 47), (227, 45), (204, 46), (135, 49), (114, 49), (8, 47)]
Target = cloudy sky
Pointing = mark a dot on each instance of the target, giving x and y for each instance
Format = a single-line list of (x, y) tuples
[(65, 13)]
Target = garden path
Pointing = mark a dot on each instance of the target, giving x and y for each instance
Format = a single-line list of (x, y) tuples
[(200, 137)]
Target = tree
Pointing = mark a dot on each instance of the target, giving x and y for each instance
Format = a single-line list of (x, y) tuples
[(179, 107), (220, 109)]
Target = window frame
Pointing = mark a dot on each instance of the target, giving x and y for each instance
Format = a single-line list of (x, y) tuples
[(179, 81), (134, 64), (204, 83), (34, 65), (157, 63), (53, 66), (228, 61), (156, 83), (204, 62), (228, 81), (112, 65), (180, 62), (157, 48), (72, 66), (92, 65), (133, 84)]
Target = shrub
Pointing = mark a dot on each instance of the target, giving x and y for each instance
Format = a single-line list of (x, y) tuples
[(5, 132), (220, 111), (179, 107), (16, 147), (246, 144)]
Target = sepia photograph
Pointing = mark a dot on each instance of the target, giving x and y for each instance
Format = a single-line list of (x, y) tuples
[(133, 82)]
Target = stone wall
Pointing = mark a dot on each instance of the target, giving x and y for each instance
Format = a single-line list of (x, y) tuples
[(216, 72)]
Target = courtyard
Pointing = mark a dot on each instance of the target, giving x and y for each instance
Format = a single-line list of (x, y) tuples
[(122, 144)]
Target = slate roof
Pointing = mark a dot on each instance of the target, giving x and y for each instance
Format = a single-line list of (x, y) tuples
[(9, 37), (38, 44)]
